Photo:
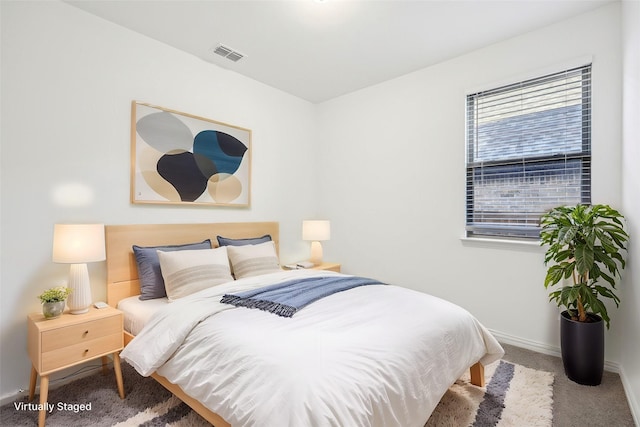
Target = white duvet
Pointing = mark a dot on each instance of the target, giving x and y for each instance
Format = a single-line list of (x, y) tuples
[(376, 355)]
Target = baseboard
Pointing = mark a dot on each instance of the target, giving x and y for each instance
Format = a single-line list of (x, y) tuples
[(634, 404), (543, 348)]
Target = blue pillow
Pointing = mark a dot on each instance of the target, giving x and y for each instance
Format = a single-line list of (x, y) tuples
[(225, 241), (149, 273)]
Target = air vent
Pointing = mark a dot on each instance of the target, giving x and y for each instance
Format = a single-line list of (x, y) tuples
[(228, 53)]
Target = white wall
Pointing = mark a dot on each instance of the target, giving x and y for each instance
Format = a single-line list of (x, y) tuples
[(396, 190), (630, 311), (68, 79)]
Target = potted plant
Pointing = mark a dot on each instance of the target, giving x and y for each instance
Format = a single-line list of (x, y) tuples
[(585, 250), (53, 301)]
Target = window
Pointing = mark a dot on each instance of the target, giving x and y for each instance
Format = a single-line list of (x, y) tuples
[(528, 150)]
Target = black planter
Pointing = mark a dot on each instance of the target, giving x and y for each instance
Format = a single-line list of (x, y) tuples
[(582, 349)]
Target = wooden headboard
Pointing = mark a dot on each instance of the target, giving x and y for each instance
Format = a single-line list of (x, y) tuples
[(122, 272)]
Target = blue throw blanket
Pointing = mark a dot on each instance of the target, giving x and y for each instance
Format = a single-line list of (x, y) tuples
[(286, 298)]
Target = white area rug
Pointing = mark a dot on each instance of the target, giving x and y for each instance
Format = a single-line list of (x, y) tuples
[(514, 396)]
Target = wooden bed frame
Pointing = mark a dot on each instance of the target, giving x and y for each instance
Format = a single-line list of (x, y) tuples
[(122, 274)]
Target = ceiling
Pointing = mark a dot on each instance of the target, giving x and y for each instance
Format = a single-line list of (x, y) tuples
[(318, 50)]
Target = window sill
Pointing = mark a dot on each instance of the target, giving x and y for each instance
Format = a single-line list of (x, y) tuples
[(494, 243)]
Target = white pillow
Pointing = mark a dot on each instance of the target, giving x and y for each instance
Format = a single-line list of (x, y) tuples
[(186, 272), (252, 260)]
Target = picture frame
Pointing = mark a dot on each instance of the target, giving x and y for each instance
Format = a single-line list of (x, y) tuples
[(183, 159)]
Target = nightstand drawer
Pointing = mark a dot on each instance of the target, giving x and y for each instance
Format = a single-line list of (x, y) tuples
[(71, 335), (86, 350)]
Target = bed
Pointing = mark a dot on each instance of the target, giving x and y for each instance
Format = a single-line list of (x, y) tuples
[(337, 361)]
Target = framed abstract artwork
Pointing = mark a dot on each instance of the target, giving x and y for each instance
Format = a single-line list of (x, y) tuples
[(178, 158)]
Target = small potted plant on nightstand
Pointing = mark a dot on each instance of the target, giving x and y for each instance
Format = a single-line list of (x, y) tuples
[(53, 301), (585, 245)]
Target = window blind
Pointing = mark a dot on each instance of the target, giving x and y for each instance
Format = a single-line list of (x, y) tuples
[(528, 150)]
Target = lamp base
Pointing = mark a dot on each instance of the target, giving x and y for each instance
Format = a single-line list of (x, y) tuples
[(79, 299), (316, 253)]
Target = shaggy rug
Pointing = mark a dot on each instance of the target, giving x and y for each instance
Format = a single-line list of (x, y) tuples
[(514, 396)]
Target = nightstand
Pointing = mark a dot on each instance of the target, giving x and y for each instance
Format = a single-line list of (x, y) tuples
[(69, 340), (331, 266)]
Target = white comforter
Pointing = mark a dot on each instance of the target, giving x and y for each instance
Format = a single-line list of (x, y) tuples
[(369, 356)]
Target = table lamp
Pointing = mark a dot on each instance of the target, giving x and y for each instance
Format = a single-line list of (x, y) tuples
[(316, 231), (78, 244)]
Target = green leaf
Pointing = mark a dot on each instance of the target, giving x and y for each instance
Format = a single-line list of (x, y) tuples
[(584, 258), (607, 293), (554, 275), (555, 296)]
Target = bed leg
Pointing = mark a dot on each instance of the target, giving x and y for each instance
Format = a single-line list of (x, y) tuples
[(477, 374)]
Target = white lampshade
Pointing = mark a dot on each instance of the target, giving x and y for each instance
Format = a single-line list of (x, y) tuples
[(77, 244), (316, 231)]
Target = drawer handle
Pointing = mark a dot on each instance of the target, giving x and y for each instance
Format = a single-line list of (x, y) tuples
[(86, 332), (86, 351)]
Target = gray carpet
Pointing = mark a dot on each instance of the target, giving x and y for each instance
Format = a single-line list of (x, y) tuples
[(574, 405)]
